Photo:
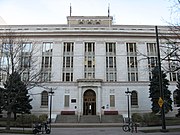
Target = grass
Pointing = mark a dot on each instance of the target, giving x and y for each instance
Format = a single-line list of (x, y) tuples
[(159, 130), (16, 131), (172, 121)]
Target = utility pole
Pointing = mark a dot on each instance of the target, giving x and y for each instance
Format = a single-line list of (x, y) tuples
[(160, 83)]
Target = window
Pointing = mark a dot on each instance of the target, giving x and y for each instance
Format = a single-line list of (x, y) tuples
[(175, 96), (25, 76), (89, 64), (44, 98), (134, 99), (26, 54), (131, 47), (46, 76), (112, 100), (68, 62), (46, 64), (25, 59), (89, 58), (47, 47), (172, 57), (66, 101), (151, 49), (132, 62), (152, 57), (4, 62), (3, 77), (27, 47), (173, 76), (152, 62), (25, 62), (111, 62)]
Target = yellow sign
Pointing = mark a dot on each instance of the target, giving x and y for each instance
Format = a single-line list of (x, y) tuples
[(160, 102)]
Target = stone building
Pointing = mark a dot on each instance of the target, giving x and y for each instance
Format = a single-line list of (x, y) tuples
[(90, 63)]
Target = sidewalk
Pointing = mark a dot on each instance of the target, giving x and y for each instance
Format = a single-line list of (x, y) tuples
[(82, 127), (96, 125)]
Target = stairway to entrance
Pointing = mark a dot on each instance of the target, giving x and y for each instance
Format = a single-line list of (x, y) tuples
[(89, 119), (66, 119)]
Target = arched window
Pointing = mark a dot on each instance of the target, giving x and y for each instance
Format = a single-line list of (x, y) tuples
[(175, 97), (44, 98), (134, 99)]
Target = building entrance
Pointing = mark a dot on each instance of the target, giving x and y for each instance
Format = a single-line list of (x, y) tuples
[(89, 104)]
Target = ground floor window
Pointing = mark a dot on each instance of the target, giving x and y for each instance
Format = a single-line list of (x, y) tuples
[(44, 98), (66, 101), (112, 100), (134, 99)]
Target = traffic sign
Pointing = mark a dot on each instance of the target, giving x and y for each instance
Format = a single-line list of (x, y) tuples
[(160, 102)]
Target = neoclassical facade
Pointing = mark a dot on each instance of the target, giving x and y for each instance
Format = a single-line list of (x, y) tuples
[(90, 63)]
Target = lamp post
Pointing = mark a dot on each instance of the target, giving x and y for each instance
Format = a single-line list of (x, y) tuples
[(51, 94), (128, 93)]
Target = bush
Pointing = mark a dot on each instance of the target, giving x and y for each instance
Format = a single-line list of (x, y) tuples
[(151, 119), (136, 117), (43, 117), (29, 119)]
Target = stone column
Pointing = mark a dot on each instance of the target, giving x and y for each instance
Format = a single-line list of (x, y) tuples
[(79, 107), (99, 101)]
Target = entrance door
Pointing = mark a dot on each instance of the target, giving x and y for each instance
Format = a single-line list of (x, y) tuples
[(89, 106)]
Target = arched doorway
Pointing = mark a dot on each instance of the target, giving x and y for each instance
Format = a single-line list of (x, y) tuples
[(89, 104)]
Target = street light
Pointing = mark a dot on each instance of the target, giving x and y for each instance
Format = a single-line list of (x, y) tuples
[(128, 93), (51, 94)]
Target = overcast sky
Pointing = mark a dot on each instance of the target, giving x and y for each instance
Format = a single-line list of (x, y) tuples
[(130, 12)]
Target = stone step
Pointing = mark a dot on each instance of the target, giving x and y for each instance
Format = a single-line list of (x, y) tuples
[(66, 119), (89, 119)]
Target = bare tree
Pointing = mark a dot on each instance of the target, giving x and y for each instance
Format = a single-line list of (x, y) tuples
[(18, 55)]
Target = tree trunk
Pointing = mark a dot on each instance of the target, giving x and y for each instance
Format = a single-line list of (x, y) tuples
[(8, 121)]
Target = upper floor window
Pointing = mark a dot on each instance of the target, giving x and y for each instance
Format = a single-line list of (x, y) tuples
[(89, 47), (46, 64), (27, 47), (132, 62), (89, 60), (47, 47), (111, 62), (151, 49), (68, 61), (131, 47)]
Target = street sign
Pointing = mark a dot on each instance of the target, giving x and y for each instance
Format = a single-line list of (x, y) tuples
[(160, 102)]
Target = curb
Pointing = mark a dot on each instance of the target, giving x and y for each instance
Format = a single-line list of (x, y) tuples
[(85, 125)]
